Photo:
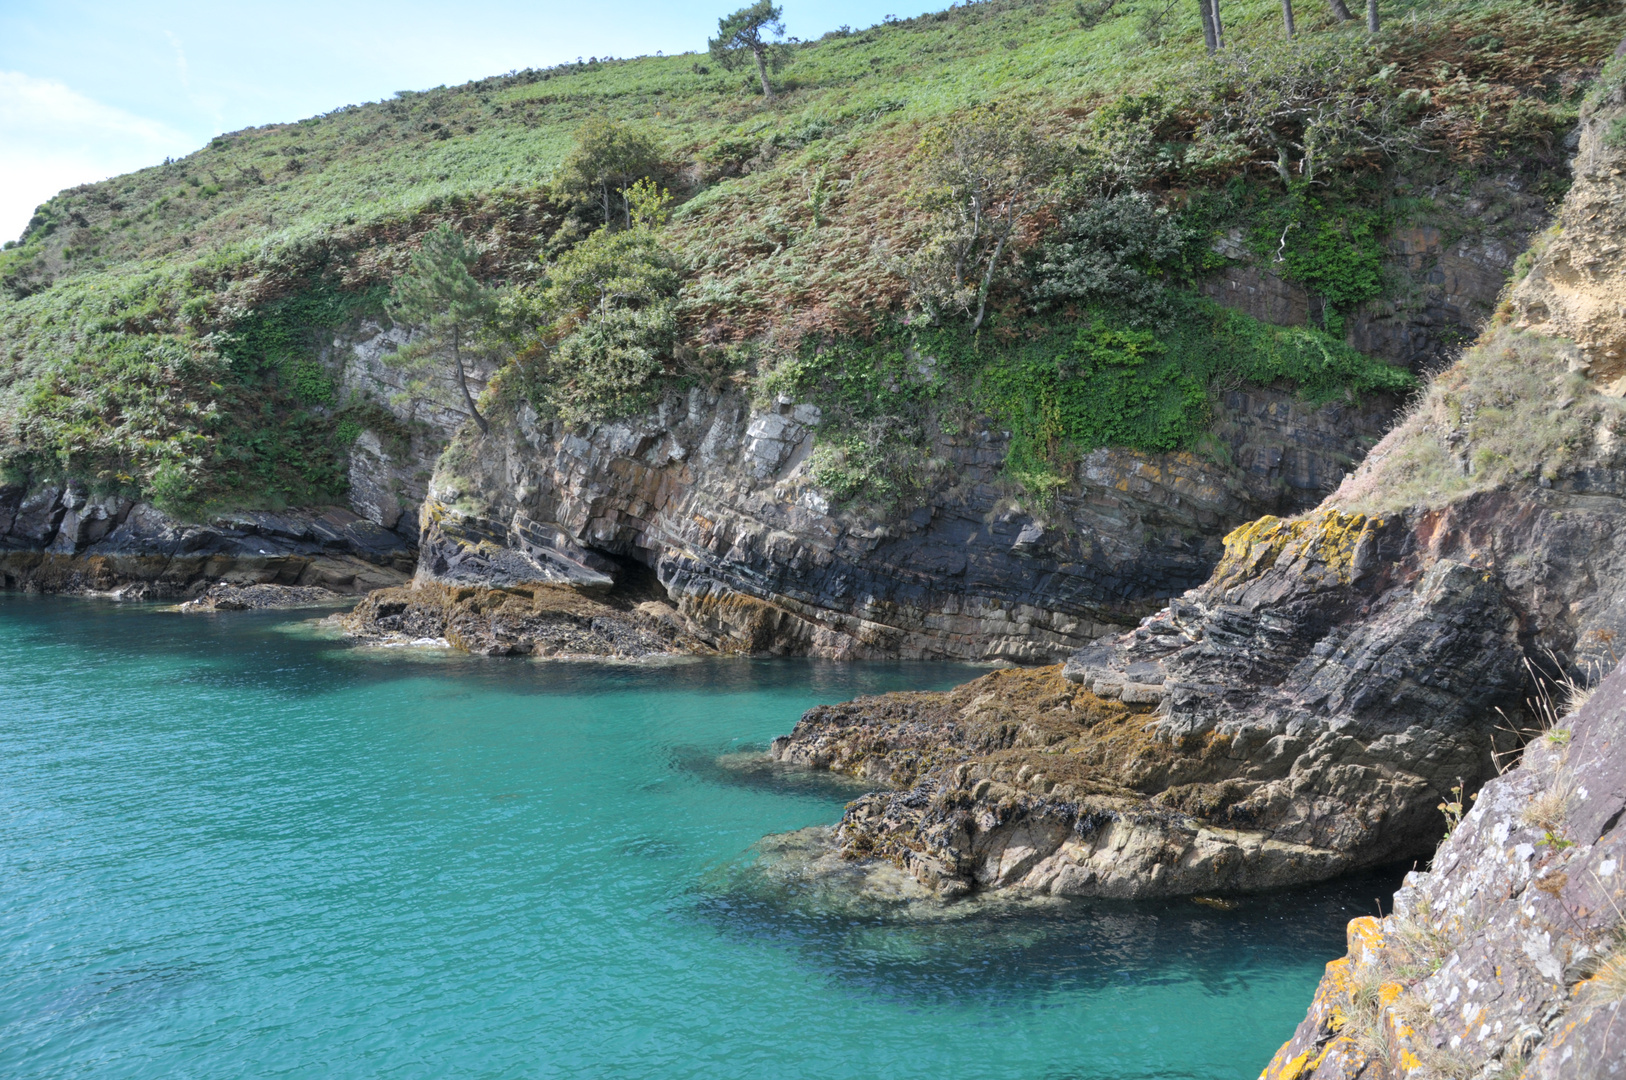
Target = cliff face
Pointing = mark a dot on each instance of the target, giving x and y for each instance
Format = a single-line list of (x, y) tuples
[(62, 539), (1507, 957), (714, 496)]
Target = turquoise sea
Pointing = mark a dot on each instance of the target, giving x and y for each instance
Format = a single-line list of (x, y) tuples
[(231, 849)]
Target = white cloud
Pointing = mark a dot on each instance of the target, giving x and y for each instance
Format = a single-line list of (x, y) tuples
[(52, 137)]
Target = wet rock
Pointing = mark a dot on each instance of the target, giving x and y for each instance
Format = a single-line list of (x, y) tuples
[(228, 597), (535, 619)]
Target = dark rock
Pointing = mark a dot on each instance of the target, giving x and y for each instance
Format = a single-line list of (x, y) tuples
[(61, 539), (228, 597), (717, 500)]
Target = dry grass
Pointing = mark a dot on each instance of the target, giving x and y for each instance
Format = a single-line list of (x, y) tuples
[(1509, 410), (1549, 808), (1608, 983)]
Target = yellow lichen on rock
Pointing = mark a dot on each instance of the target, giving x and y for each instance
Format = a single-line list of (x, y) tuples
[(1327, 539)]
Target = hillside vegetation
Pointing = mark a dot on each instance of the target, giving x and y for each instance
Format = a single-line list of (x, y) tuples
[(158, 331)]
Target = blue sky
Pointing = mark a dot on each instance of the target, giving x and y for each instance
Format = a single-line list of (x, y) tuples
[(93, 88)]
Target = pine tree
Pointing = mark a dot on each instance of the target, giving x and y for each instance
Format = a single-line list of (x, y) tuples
[(439, 294), (741, 33)]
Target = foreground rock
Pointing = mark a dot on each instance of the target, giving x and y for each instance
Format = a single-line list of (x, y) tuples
[(1508, 957), (523, 619), (61, 539), (1024, 781)]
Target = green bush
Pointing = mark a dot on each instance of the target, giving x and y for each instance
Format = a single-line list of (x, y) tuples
[(1116, 251), (610, 305), (1331, 249)]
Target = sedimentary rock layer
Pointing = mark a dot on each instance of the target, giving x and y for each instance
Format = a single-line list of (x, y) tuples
[(716, 497), (60, 538), (1023, 780), (541, 620)]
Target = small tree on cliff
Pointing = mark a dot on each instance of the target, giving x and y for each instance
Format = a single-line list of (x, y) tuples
[(608, 157), (981, 174), (741, 33), (439, 294)]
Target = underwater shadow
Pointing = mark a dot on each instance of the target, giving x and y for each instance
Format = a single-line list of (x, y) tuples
[(1004, 950)]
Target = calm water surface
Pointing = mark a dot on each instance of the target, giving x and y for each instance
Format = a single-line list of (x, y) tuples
[(227, 849)]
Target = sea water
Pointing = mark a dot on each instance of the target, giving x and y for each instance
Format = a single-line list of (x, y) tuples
[(230, 847)]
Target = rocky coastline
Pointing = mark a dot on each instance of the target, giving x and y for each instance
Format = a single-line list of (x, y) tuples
[(59, 538)]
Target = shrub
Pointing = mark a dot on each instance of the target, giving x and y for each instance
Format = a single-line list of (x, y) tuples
[(981, 176), (1302, 109), (1332, 249), (1114, 252), (611, 303)]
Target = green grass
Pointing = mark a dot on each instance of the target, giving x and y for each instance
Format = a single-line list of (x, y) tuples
[(793, 213)]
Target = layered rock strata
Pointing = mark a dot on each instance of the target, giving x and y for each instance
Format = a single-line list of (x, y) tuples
[(1022, 780), (1507, 957), (61, 539), (715, 496)]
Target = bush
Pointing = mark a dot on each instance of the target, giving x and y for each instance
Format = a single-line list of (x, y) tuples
[(611, 305), (1330, 249), (1114, 252), (1302, 109)]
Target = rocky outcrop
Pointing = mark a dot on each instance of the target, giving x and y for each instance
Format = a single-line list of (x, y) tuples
[(228, 597), (1507, 958), (416, 410), (1025, 781), (536, 619), (62, 539), (1300, 715), (715, 496)]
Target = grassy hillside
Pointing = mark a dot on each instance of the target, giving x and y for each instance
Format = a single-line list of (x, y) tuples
[(157, 330)]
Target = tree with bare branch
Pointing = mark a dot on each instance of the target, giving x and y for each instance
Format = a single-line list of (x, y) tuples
[(1303, 110), (982, 174)]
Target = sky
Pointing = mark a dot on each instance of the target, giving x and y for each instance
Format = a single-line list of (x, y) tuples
[(94, 88)]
